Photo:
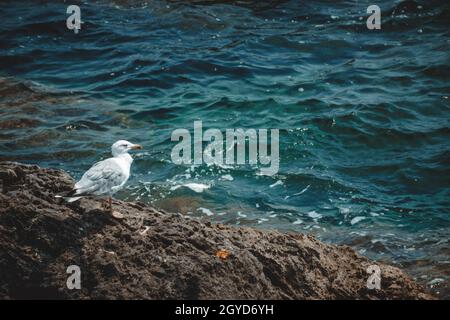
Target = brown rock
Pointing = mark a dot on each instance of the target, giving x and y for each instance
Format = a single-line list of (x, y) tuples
[(152, 254)]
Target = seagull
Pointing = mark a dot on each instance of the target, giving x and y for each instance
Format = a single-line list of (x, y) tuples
[(106, 177)]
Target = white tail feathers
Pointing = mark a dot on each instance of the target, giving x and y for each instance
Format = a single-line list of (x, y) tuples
[(72, 199), (68, 199)]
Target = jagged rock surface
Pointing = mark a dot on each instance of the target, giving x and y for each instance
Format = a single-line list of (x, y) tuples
[(153, 254)]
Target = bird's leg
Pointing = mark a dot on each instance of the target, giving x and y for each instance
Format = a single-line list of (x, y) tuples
[(110, 205), (100, 206)]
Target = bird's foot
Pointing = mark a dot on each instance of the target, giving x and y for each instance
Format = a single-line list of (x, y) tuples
[(117, 215)]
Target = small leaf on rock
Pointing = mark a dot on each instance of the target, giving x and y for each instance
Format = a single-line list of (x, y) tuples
[(222, 254)]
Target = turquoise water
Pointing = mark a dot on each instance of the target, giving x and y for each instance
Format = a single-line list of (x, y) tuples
[(363, 115)]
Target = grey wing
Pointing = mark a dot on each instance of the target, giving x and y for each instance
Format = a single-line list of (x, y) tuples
[(101, 178)]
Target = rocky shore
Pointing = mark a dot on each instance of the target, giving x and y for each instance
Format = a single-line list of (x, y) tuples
[(152, 254)]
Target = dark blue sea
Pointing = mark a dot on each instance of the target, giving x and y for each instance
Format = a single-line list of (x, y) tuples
[(363, 115)]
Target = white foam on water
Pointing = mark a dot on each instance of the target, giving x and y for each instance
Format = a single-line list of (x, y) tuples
[(240, 214), (313, 214), (435, 281), (197, 187), (206, 211), (227, 177), (357, 219), (344, 210), (278, 183), (303, 191)]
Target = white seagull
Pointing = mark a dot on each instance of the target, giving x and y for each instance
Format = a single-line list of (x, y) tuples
[(106, 177)]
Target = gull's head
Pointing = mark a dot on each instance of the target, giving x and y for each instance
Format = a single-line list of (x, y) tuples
[(123, 146)]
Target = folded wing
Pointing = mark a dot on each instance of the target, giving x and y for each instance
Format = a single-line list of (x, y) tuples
[(101, 179)]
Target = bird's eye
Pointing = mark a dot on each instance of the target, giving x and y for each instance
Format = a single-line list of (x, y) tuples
[(124, 145)]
